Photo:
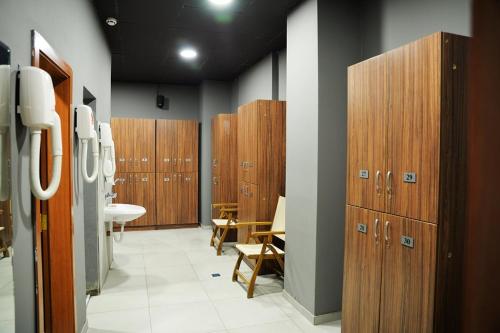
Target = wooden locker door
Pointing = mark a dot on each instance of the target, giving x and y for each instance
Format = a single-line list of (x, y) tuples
[(122, 136), (243, 143), (227, 153), (216, 174), (166, 199), (123, 188), (258, 111), (188, 198), (187, 146), (144, 195), (144, 145), (248, 199), (362, 271), (408, 275), (367, 112), (166, 145), (414, 129)]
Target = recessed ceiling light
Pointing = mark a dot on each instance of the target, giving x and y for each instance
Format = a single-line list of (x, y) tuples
[(220, 3), (188, 53), (111, 21)]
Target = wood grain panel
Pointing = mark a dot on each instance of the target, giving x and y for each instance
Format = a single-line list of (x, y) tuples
[(362, 271), (242, 140), (367, 135), (118, 126), (166, 145), (144, 145), (414, 73), (166, 199), (187, 146), (145, 196), (252, 137), (188, 198), (124, 188), (408, 276)]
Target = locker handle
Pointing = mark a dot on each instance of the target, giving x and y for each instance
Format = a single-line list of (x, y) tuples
[(188, 160), (378, 188), (375, 230), (175, 161), (121, 159), (387, 230), (389, 183), (166, 179), (166, 160), (145, 179)]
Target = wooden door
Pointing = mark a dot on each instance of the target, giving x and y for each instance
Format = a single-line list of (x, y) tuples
[(144, 145), (362, 271), (254, 116), (187, 146), (166, 145), (367, 134), (408, 275), (123, 137), (144, 195), (124, 188), (188, 198), (166, 199), (228, 158), (243, 143), (413, 129), (216, 163)]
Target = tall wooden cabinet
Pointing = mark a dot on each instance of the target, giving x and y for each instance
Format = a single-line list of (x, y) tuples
[(157, 168), (224, 159), (261, 160), (405, 188)]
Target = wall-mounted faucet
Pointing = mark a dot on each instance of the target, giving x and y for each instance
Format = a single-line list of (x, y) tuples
[(111, 195)]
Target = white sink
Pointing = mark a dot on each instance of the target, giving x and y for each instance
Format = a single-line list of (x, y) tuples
[(122, 213)]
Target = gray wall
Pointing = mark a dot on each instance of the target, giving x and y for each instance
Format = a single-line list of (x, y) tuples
[(302, 153), (138, 100), (255, 83), (282, 75), (215, 99), (71, 27), (388, 24)]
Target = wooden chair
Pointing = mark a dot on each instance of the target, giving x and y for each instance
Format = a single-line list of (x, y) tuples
[(262, 251), (226, 221), (3, 246)]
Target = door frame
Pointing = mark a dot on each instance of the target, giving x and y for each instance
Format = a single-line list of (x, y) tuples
[(53, 233)]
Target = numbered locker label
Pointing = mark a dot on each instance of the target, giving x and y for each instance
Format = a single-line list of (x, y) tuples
[(407, 241), (410, 177), (363, 174), (363, 228)]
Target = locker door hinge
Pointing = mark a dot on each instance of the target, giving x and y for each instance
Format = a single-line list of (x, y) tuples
[(44, 222)]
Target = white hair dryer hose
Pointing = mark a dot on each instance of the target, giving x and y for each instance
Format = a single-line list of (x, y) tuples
[(95, 154), (36, 187)]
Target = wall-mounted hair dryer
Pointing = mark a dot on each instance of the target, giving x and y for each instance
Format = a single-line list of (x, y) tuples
[(37, 106), (4, 130), (108, 146), (85, 130)]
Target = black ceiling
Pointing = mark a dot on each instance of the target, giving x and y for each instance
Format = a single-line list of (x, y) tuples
[(147, 39)]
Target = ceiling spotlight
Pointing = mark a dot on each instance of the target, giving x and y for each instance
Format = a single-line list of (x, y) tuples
[(111, 21), (188, 53), (220, 3)]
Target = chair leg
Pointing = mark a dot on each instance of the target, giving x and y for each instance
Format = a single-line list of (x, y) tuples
[(237, 267), (251, 285), (221, 241), (213, 235)]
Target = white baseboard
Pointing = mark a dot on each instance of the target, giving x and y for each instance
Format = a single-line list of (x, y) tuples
[(313, 319)]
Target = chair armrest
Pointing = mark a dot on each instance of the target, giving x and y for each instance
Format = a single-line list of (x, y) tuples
[(230, 204), (267, 233), (229, 209), (246, 223)]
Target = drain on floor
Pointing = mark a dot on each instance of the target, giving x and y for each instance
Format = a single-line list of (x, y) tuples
[(215, 275)]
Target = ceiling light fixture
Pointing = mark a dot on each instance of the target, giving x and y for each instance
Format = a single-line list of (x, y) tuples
[(111, 21), (188, 53), (220, 3)]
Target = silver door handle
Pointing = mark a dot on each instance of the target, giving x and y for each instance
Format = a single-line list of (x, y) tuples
[(375, 230), (378, 188), (389, 183), (387, 230)]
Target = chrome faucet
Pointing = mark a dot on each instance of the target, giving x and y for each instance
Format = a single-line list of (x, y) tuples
[(111, 195)]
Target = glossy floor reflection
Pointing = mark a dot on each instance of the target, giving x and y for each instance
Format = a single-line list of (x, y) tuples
[(161, 281)]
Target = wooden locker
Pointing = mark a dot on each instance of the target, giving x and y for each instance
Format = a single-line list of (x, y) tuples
[(414, 114), (166, 145), (248, 199), (187, 198), (362, 270), (166, 199), (409, 273), (124, 188), (123, 137), (144, 145), (366, 122), (144, 195), (187, 146)]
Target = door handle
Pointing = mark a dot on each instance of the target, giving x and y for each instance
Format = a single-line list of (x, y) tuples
[(376, 231), (378, 188), (389, 183), (387, 231)]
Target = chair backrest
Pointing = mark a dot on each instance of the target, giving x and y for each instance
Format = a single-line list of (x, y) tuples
[(279, 216)]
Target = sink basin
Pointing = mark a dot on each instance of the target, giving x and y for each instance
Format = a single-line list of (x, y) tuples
[(122, 213)]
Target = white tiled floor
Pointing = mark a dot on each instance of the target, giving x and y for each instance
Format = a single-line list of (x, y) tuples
[(161, 281), (6, 296)]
